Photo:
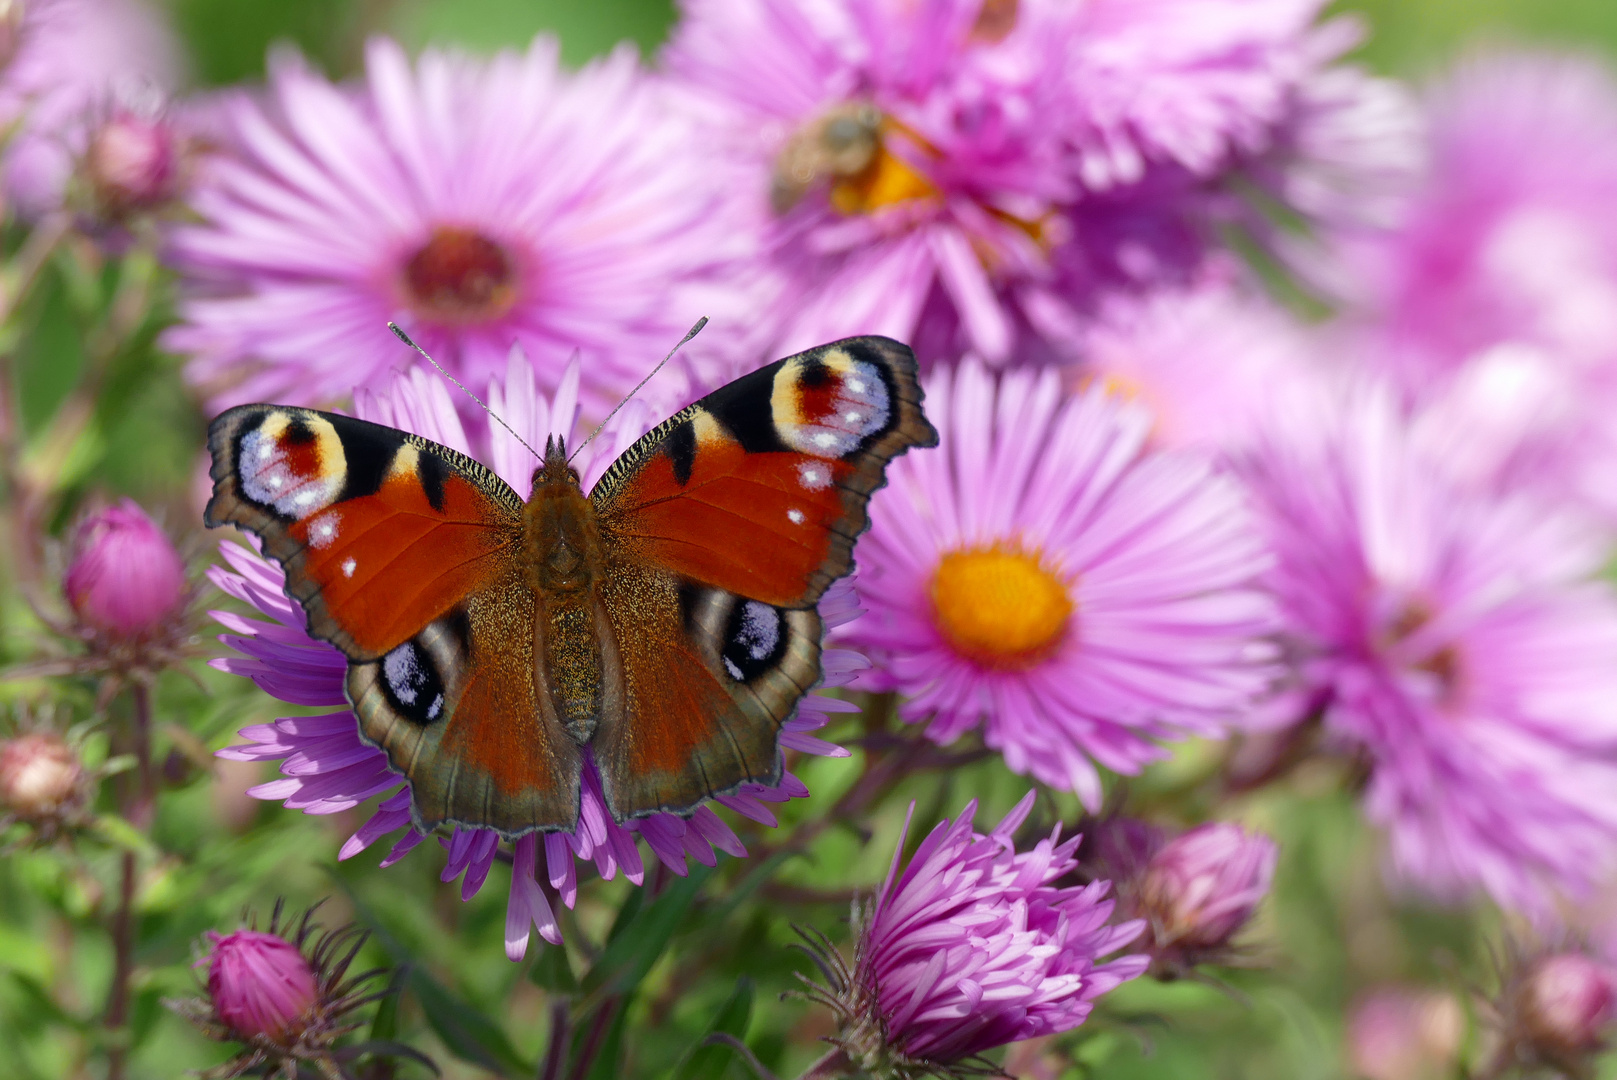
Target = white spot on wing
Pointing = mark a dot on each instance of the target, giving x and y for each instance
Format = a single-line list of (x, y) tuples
[(348, 566), (323, 530), (815, 477), (735, 672), (796, 515)]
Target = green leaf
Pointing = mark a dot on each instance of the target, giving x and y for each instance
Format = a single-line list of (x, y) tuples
[(702, 1062), (553, 971), (608, 1063), (386, 1024), (465, 1030), (640, 934)]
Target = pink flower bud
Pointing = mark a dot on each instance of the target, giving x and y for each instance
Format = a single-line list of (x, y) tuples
[(39, 775), (1204, 884), (125, 577), (133, 163), (260, 984), (1403, 1034), (1567, 1001)]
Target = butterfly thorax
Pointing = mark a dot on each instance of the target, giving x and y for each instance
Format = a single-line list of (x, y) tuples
[(562, 554)]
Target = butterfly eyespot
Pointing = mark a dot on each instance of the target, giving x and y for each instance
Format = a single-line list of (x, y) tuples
[(753, 641), (829, 405), (412, 684), (292, 463)]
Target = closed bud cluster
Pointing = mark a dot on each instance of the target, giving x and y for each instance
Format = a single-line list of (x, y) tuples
[(286, 996), (124, 579), (1565, 1004), (1203, 886), (42, 781), (261, 984), (1196, 891), (133, 163)]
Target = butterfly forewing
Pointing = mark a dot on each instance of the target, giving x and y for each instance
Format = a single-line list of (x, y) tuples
[(405, 555), (737, 514)]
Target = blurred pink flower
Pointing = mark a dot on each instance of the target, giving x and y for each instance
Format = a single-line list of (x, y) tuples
[(1401, 1033), (971, 946), (479, 204), (1495, 298), (328, 768), (1207, 360), (124, 578), (969, 176), (260, 983), (73, 60), (1462, 643), (1046, 576)]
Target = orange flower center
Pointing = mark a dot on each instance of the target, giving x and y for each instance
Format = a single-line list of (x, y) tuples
[(885, 181), (460, 276), (1001, 607)]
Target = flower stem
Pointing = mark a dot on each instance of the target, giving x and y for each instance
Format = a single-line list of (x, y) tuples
[(138, 810)]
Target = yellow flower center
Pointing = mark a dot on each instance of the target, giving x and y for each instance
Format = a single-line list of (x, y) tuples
[(1002, 607)]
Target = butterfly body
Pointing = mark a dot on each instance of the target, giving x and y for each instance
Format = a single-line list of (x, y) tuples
[(663, 625)]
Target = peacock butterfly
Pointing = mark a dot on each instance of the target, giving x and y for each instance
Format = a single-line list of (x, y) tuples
[(666, 622)]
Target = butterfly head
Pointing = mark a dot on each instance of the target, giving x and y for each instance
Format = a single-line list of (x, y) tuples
[(554, 470)]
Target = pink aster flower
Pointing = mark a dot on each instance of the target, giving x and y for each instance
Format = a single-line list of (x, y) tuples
[(72, 59), (972, 946), (967, 175), (1048, 577), (1461, 643), (327, 767), (477, 203)]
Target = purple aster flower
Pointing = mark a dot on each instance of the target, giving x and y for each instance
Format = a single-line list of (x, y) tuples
[(1461, 644), (1497, 294), (327, 767), (72, 59), (476, 203), (972, 946), (967, 175), (1049, 578)]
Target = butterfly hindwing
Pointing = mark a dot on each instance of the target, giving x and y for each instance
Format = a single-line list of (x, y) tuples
[(734, 517), (405, 555)]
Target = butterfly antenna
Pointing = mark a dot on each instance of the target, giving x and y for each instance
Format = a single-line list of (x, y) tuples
[(697, 329), (402, 336)]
